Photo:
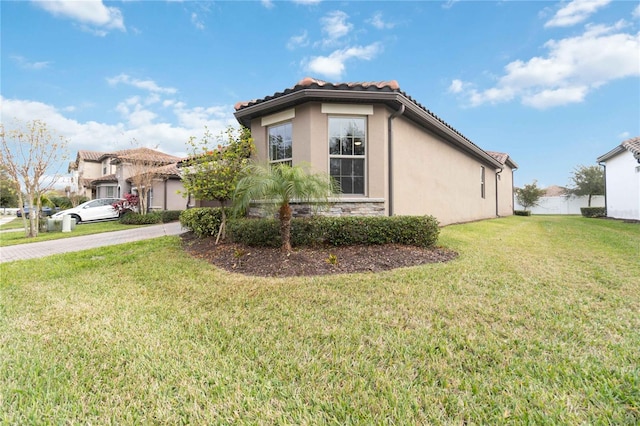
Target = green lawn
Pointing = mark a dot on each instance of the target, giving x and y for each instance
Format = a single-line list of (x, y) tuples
[(536, 322), (17, 237)]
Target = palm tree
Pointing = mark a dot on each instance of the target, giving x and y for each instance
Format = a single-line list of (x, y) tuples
[(281, 183)]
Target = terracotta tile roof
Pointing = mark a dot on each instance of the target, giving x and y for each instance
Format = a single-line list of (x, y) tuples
[(105, 178), (90, 155), (387, 92), (503, 159), (169, 170), (314, 82), (555, 191), (144, 154), (633, 145)]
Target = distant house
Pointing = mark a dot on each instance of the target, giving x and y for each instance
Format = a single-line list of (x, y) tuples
[(556, 201), (108, 174), (622, 179), (390, 154)]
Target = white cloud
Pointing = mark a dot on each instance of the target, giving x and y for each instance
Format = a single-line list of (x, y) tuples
[(378, 22), (335, 27), (149, 85), (307, 2), (333, 66), (140, 123), (636, 12), (93, 15), (267, 4), (28, 65), (575, 12), (449, 3), (572, 68), (624, 135), (301, 40), (196, 21)]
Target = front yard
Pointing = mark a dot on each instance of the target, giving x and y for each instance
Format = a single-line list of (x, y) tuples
[(537, 321)]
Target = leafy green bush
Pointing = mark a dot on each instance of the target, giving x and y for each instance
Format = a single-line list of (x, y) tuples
[(419, 231), (202, 221), (133, 218), (522, 212), (593, 211), (170, 215)]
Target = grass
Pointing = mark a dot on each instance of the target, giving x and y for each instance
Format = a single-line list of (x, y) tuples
[(536, 322), (15, 237), (16, 223)]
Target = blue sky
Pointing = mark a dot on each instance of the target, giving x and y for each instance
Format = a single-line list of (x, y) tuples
[(554, 84)]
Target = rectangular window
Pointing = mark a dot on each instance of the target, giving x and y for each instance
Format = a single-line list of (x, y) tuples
[(347, 148), (280, 144), (482, 181)]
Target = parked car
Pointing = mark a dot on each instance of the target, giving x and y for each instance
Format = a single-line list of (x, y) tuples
[(98, 209), (45, 211)]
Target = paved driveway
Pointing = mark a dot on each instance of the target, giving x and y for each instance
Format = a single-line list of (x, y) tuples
[(85, 242)]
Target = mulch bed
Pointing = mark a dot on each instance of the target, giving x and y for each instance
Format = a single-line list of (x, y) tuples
[(306, 261)]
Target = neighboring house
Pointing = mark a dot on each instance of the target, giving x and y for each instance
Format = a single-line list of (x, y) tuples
[(108, 174), (389, 153), (556, 201), (622, 179)]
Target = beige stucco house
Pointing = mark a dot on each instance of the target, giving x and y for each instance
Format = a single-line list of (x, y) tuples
[(108, 174), (389, 153)]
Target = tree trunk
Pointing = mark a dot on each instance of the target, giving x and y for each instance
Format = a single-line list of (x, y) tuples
[(222, 231), (285, 227), (589, 200)]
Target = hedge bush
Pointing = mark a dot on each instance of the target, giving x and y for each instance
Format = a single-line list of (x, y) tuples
[(419, 231), (202, 221), (132, 218), (170, 215), (593, 211), (522, 212)]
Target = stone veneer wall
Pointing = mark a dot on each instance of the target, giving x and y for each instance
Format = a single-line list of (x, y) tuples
[(343, 208)]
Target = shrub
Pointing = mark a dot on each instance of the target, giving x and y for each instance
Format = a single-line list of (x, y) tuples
[(170, 215), (133, 218), (593, 211), (202, 221), (522, 212), (419, 231)]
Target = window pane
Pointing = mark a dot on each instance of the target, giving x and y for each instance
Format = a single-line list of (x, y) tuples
[(334, 146), (346, 167), (358, 167), (346, 185), (358, 185), (334, 167), (280, 143)]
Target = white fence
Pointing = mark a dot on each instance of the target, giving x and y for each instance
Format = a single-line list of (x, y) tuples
[(7, 211), (563, 205)]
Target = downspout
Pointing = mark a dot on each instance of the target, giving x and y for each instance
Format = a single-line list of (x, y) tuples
[(165, 192), (497, 177), (390, 155), (604, 165)]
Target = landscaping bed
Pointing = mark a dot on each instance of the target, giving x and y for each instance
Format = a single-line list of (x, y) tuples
[(273, 262)]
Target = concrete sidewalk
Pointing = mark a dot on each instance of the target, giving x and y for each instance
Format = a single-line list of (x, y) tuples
[(85, 242)]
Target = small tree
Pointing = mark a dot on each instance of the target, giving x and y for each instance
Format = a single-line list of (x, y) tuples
[(529, 195), (211, 173), (8, 194), (587, 180), (282, 184), (27, 153)]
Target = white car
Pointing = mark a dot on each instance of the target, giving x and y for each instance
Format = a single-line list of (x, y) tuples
[(98, 209)]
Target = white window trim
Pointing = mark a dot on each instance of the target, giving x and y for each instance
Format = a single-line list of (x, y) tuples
[(279, 117), (351, 157)]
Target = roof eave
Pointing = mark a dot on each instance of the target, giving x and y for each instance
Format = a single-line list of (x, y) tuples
[(615, 151), (391, 98)]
